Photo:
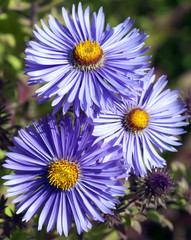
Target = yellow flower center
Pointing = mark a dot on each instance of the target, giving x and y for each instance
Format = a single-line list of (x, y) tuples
[(63, 174), (136, 120), (87, 55)]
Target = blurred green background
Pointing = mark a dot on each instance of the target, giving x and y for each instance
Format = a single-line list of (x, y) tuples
[(168, 22)]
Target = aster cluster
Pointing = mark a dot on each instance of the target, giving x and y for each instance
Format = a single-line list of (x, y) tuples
[(70, 169)]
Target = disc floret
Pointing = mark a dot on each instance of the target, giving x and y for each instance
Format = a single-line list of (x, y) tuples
[(63, 174), (135, 120), (87, 55)]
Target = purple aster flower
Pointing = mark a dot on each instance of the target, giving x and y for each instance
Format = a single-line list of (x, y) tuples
[(83, 64), (59, 172), (145, 127)]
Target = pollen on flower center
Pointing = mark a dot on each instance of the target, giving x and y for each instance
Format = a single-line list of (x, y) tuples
[(87, 55), (135, 120), (63, 174)]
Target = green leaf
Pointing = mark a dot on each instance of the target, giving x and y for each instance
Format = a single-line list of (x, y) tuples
[(18, 234), (137, 227), (167, 223), (159, 218), (8, 212), (153, 215), (128, 220), (15, 62)]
